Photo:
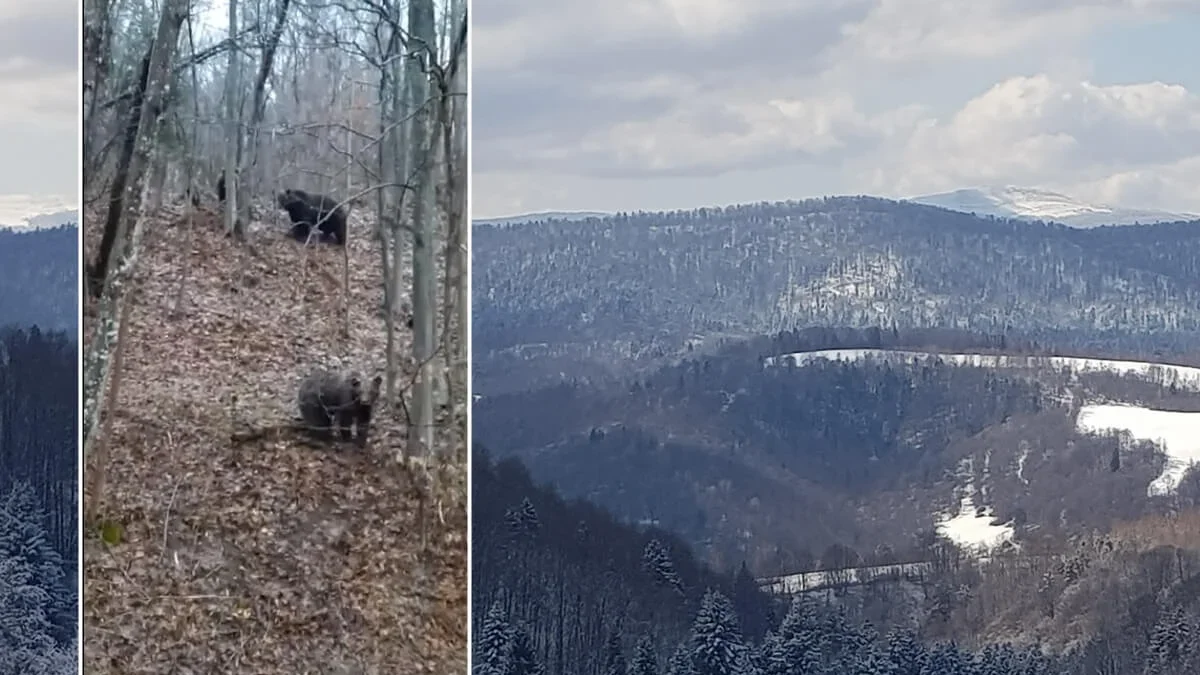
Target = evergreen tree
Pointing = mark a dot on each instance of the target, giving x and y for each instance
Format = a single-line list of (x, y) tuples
[(614, 660), (869, 662), (657, 562), (23, 537), (644, 662), (681, 662), (493, 643), (746, 604), (907, 654), (718, 648), (1171, 638), (772, 658), (522, 659), (522, 520), (1034, 662)]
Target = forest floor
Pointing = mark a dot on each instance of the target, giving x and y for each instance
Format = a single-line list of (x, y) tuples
[(270, 555)]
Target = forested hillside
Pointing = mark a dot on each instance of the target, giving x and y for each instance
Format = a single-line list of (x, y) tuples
[(561, 587), (600, 295), (38, 515), (724, 450), (39, 278)]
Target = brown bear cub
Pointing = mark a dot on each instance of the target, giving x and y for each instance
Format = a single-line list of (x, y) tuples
[(333, 402)]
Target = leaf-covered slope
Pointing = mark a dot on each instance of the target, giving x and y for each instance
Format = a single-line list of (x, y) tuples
[(293, 555), (632, 286)]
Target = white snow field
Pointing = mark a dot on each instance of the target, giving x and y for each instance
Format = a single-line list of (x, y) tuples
[(974, 532), (1178, 433), (1184, 377), (790, 584), (973, 529)]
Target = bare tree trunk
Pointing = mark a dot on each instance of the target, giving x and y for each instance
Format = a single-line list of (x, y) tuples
[(459, 216), (97, 29), (421, 29), (233, 224), (454, 200), (400, 170), (180, 303), (98, 364), (98, 475), (114, 236)]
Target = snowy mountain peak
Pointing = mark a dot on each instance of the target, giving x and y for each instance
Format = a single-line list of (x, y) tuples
[(1036, 204)]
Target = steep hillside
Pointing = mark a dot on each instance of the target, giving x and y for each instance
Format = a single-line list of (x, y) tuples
[(263, 553), (39, 278), (570, 574), (564, 587), (879, 450), (604, 297), (1034, 204)]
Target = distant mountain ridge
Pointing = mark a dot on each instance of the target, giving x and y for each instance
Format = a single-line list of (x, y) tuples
[(576, 299), (1025, 203), (544, 215), (50, 220)]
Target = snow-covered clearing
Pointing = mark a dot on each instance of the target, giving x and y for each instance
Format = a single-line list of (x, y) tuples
[(810, 581), (971, 528), (1184, 377), (974, 530), (1178, 433)]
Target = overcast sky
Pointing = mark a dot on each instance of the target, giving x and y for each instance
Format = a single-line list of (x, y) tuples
[(653, 104), (39, 109)]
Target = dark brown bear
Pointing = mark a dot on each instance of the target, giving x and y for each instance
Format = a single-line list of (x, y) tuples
[(307, 210), (332, 402)]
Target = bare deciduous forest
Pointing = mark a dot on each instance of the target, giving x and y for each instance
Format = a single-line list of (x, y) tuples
[(275, 194)]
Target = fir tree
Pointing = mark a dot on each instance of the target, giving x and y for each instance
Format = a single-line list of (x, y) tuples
[(522, 660), (681, 662), (23, 537), (718, 648), (657, 562), (493, 643), (1171, 637), (644, 662), (907, 654), (614, 660)]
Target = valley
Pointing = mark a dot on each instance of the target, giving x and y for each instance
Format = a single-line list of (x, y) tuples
[(921, 417)]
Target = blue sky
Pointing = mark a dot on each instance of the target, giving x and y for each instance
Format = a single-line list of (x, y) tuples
[(653, 104), (39, 113)]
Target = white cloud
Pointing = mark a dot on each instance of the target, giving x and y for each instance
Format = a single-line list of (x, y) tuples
[(42, 101), (17, 209), (1037, 130), (923, 30), (39, 52), (576, 94), (1171, 185)]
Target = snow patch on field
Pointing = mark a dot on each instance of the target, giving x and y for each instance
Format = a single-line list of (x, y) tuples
[(1178, 433), (974, 529), (971, 528), (1184, 377)]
